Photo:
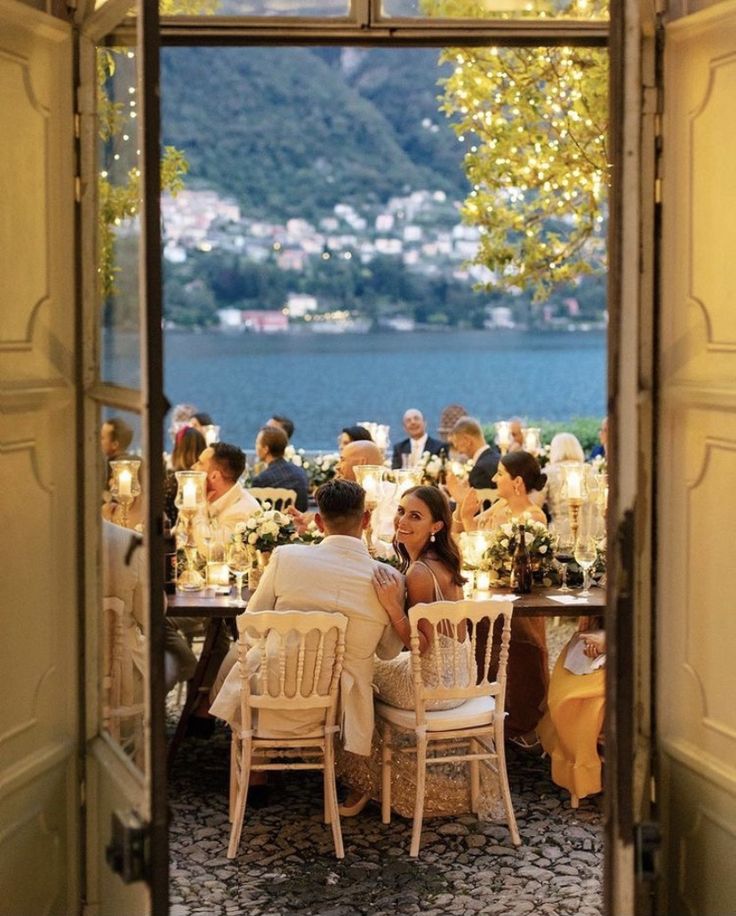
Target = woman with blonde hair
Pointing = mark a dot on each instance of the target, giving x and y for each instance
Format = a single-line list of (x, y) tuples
[(564, 447)]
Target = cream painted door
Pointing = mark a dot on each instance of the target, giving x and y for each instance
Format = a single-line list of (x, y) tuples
[(126, 807), (39, 716), (696, 630)]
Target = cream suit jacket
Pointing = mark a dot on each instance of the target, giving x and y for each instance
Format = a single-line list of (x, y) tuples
[(335, 575), (232, 507)]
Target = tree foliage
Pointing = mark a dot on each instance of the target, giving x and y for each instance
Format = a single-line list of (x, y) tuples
[(534, 124)]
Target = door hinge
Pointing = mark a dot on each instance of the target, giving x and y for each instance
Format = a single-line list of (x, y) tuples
[(128, 852), (78, 189), (647, 842)]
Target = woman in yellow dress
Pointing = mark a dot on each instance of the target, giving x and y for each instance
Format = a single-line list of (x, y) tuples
[(571, 727)]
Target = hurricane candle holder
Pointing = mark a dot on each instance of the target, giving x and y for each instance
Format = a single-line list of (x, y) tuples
[(574, 492), (211, 434), (532, 440), (125, 485), (370, 477), (190, 501), (407, 478), (503, 435)]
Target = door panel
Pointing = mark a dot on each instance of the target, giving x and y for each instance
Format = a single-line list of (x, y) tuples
[(697, 629), (39, 727)]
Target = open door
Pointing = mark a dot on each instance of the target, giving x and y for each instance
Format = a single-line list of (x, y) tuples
[(121, 428), (39, 728), (696, 714)]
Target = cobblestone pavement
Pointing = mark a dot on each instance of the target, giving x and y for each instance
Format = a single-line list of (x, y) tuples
[(286, 862)]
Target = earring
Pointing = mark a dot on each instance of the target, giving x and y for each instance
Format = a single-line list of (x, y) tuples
[(432, 538)]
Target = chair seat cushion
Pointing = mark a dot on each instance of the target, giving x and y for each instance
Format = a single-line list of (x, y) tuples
[(472, 714)]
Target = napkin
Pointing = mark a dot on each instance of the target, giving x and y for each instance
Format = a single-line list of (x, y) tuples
[(567, 599), (577, 662)]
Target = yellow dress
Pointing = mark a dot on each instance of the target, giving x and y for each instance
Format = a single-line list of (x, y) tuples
[(570, 728)]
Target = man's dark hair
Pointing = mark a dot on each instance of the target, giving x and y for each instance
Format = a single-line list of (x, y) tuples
[(122, 433), (230, 460), (341, 503), (285, 423), (274, 438), (357, 433)]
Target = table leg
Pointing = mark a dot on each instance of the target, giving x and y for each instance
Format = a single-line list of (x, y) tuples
[(194, 687)]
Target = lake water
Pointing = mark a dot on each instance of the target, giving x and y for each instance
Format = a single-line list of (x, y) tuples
[(325, 382)]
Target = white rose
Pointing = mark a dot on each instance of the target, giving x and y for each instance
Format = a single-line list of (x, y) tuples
[(543, 548), (505, 542), (271, 528), (252, 537), (252, 523), (297, 461), (508, 529)]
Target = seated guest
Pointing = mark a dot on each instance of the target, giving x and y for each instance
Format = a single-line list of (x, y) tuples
[(200, 420), (408, 452), (335, 576), (599, 451), (353, 434), (283, 423), (467, 438), (115, 438), (227, 502), (271, 443), (564, 447), (518, 476), (516, 434), (181, 415), (570, 731), (188, 446)]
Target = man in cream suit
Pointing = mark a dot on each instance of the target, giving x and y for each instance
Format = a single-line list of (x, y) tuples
[(335, 575), (227, 502)]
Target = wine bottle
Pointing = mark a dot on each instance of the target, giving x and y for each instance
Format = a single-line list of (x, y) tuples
[(442, 476), (169, 557), (522, 565)]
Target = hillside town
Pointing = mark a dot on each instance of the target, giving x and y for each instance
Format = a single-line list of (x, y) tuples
[(422, 230)]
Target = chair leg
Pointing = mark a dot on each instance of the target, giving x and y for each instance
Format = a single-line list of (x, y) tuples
[(386, 759), (331, 797), (574, 801), (503, 777), (474, 777), (239, 813), (416, 833), (234, 779)]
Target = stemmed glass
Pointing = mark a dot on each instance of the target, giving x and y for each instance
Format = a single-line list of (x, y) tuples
[(238, 562), (564, 554), (585, 554)]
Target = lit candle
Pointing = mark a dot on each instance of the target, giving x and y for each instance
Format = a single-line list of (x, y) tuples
[(190, 495), (125, 480), (482, 581), (574, 485), (503, 434), (371, 490), (531, 441), (456, 468)]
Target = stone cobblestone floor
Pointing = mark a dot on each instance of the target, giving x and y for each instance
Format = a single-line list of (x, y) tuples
[(286, 862)]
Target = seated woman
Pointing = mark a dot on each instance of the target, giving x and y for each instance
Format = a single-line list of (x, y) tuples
[(432, 564), (353, 434), (518, 476), (431, 561), (571, 728), (564, 447), (188, 446)]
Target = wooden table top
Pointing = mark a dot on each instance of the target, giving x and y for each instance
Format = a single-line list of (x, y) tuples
[(537, 604)]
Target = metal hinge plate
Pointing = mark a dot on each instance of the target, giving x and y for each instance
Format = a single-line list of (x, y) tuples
[(128, 853), (647, 842)]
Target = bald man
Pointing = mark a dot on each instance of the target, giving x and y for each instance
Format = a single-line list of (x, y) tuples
[(408, 452)]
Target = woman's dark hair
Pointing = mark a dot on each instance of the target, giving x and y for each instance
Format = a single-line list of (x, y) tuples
[(444, 547), (189, 446), (524, 465), (204, 419), (357, 434)]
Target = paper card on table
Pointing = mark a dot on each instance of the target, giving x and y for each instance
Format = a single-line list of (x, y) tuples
[(567, 599), (504, 597)]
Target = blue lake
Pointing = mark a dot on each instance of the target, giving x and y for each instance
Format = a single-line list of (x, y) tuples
[(325, 382)]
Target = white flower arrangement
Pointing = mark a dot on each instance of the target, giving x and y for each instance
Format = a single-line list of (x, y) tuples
[(265, 529), (498, 558), (322, 468)]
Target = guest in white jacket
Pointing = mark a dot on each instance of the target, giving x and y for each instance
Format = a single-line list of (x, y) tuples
[(335, 575)]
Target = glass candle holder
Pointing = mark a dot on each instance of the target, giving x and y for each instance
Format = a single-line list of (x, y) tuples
[(125, 485), (211, 434), (190, 501), (503, 435), (407, 478), (532, 440), (370, 477), (191, 490)]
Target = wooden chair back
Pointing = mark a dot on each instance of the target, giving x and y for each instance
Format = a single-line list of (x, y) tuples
[(301, 658), (469, 624), (278, 497)]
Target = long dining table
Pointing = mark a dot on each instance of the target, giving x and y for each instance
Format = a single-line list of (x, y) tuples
[(221, 610)]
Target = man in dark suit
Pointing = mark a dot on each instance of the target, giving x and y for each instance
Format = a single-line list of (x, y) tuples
[(271, 444), (408, 452), (467, 437)]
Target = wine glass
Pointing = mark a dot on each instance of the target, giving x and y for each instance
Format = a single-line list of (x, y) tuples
[(238, 562), (563, 548), (585, 554)]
